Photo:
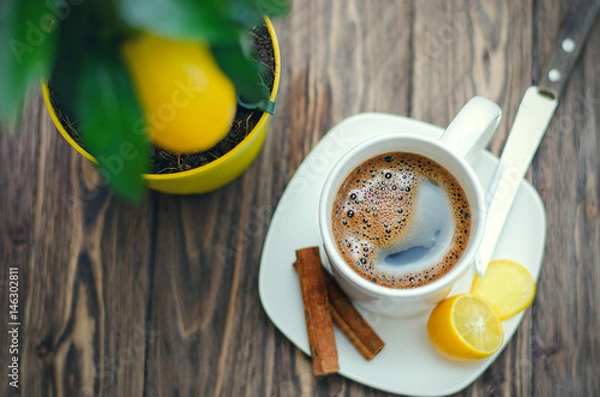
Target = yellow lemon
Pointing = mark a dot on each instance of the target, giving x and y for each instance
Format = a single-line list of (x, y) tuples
[(507, 285), (189, 103), (465, 326)]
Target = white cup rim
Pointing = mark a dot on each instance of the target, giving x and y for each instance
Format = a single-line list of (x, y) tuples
[(445, 281)]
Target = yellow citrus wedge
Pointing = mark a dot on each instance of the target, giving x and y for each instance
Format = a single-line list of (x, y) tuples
[(189, 103), (508, 287), (466, 327)]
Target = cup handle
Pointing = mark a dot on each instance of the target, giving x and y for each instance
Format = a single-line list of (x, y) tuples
[(473, 127)]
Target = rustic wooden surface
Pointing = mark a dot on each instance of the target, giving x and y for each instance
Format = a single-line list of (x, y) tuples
[(161, 299)]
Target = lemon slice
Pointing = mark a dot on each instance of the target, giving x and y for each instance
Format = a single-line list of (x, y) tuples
[(465, 326), (508, 287)]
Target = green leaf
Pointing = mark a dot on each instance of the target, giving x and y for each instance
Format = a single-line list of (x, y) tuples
[(91, 82), (74, 42), (204, 20), (27, 50), (112, 124), (274, 8), (245, 12), (252, 12), (243, 71)]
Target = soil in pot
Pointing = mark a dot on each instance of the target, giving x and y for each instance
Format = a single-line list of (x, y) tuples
[(165, 162)]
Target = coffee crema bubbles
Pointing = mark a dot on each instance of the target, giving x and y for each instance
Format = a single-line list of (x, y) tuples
[(401, 220)]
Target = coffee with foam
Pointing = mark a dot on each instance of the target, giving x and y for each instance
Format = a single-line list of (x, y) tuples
[(401, 220)]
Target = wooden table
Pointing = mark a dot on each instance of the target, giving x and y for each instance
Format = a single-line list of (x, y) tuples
[(161, 299)]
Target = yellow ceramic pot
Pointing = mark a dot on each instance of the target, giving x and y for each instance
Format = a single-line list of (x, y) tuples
[(212, 175)]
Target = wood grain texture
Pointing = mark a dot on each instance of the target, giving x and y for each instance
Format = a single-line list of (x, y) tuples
[(161, 299), (83, 259)]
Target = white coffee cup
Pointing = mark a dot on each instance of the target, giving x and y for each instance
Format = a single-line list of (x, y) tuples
[(464, 138)]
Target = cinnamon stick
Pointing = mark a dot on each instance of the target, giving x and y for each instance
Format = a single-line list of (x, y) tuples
[(316, 312), (349, 320)]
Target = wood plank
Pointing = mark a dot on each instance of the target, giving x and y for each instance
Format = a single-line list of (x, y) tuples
[(472, 48), (18, 176), (477, 48), (566, 343), (161, 299), (215, 337), (84, 260)]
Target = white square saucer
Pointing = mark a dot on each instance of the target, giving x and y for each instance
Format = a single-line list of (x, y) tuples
[(408, 364)]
